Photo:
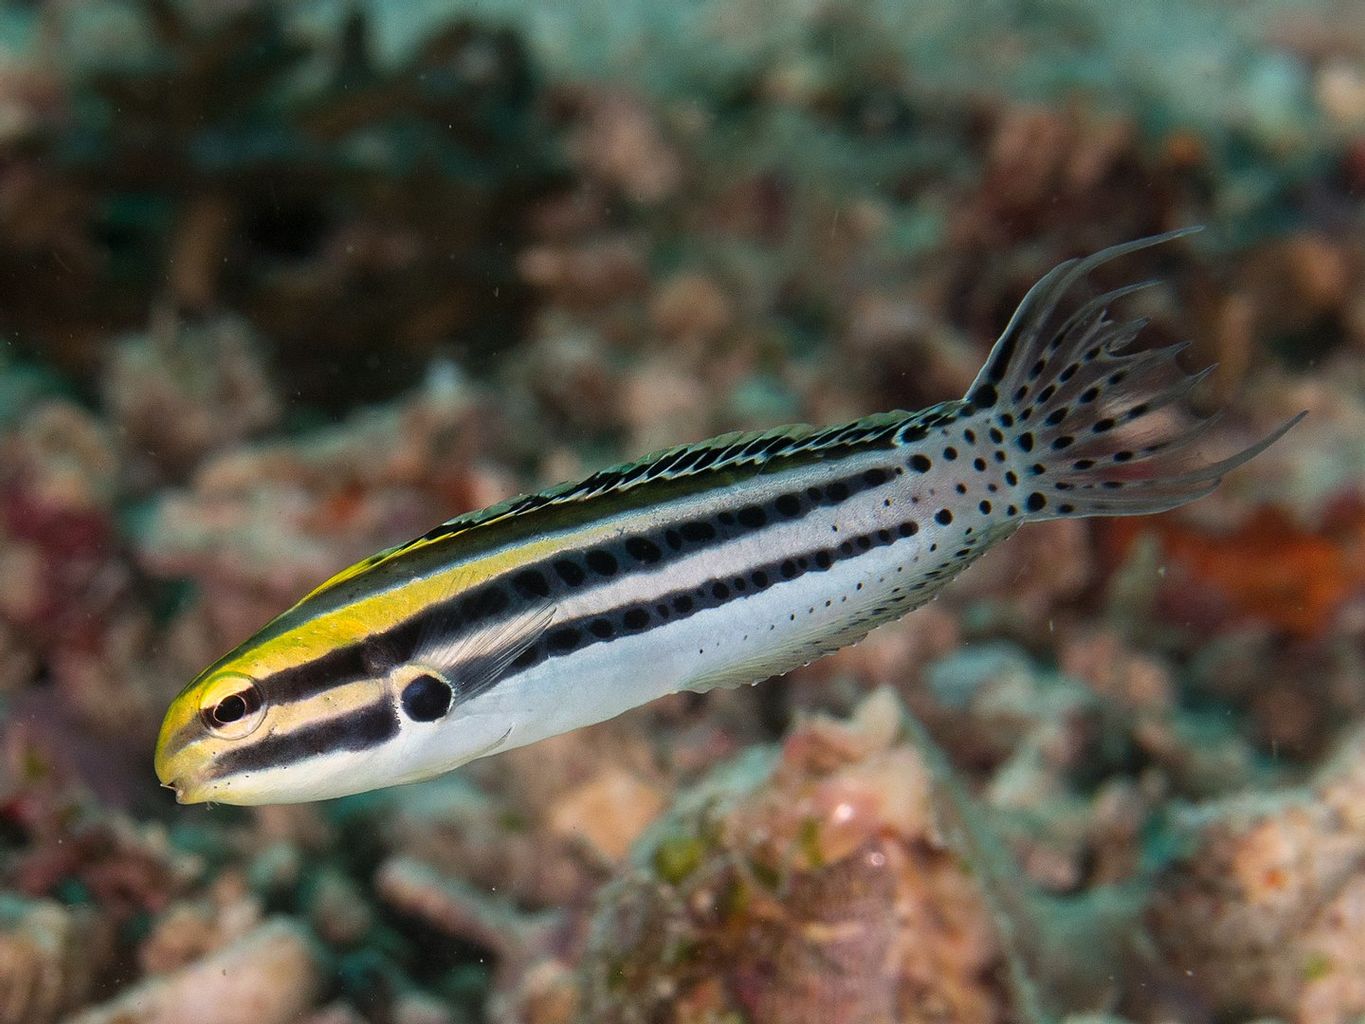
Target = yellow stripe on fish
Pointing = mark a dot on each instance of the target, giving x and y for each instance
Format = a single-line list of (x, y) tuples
[(713, 564)]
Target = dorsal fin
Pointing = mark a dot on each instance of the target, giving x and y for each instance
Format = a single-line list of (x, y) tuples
[(735, 450)]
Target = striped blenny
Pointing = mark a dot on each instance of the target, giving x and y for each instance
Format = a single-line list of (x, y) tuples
[(711, 564)]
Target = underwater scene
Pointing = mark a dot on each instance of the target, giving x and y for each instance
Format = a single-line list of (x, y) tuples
[(420, 420)]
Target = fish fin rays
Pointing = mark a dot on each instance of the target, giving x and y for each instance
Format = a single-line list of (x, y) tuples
[(737, 451), (474, 660), (1085, 411)]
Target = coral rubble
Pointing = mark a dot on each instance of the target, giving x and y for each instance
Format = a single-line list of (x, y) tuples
[(283, 284)]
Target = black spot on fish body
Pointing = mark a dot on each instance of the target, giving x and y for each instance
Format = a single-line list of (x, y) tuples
[(752, 516), (697, 530), (563, 640), (485, 603), (531, 583), (570, 572), (643, 550), (426, 698)]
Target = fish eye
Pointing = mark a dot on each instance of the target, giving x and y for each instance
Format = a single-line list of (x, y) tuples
[(232, 707)]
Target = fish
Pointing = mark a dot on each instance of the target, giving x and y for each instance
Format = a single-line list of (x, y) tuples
[(712, 564)]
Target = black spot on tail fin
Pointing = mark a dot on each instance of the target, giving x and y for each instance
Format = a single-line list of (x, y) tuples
[(1079, 410), (1034, 332)]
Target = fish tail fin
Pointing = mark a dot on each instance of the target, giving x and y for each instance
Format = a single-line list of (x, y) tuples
[(1078, 411)]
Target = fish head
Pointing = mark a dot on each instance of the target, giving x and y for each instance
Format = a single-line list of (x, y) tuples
[(291, 717), (218, 712)]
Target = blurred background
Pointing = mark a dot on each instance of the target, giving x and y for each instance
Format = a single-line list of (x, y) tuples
[(283, 283)]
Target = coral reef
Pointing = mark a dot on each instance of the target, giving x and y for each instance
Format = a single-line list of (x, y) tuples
[(282, 284), (268, 977), (345, 208), (813, 886), (50, 958), (1261, 912)]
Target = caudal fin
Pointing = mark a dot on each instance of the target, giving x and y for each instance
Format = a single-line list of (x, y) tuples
[(1078, 408)]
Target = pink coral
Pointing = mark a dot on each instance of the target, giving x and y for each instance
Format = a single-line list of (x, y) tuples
[(1264, 910), (810, 888)]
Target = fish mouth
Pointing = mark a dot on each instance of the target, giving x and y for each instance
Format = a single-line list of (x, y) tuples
[(180, 779), (187, 793), (166, 775), (178, 787)]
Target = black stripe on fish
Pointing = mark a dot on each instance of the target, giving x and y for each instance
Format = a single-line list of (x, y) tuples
[(654, 480), (640, 617), (361, 729), (558, 575)]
